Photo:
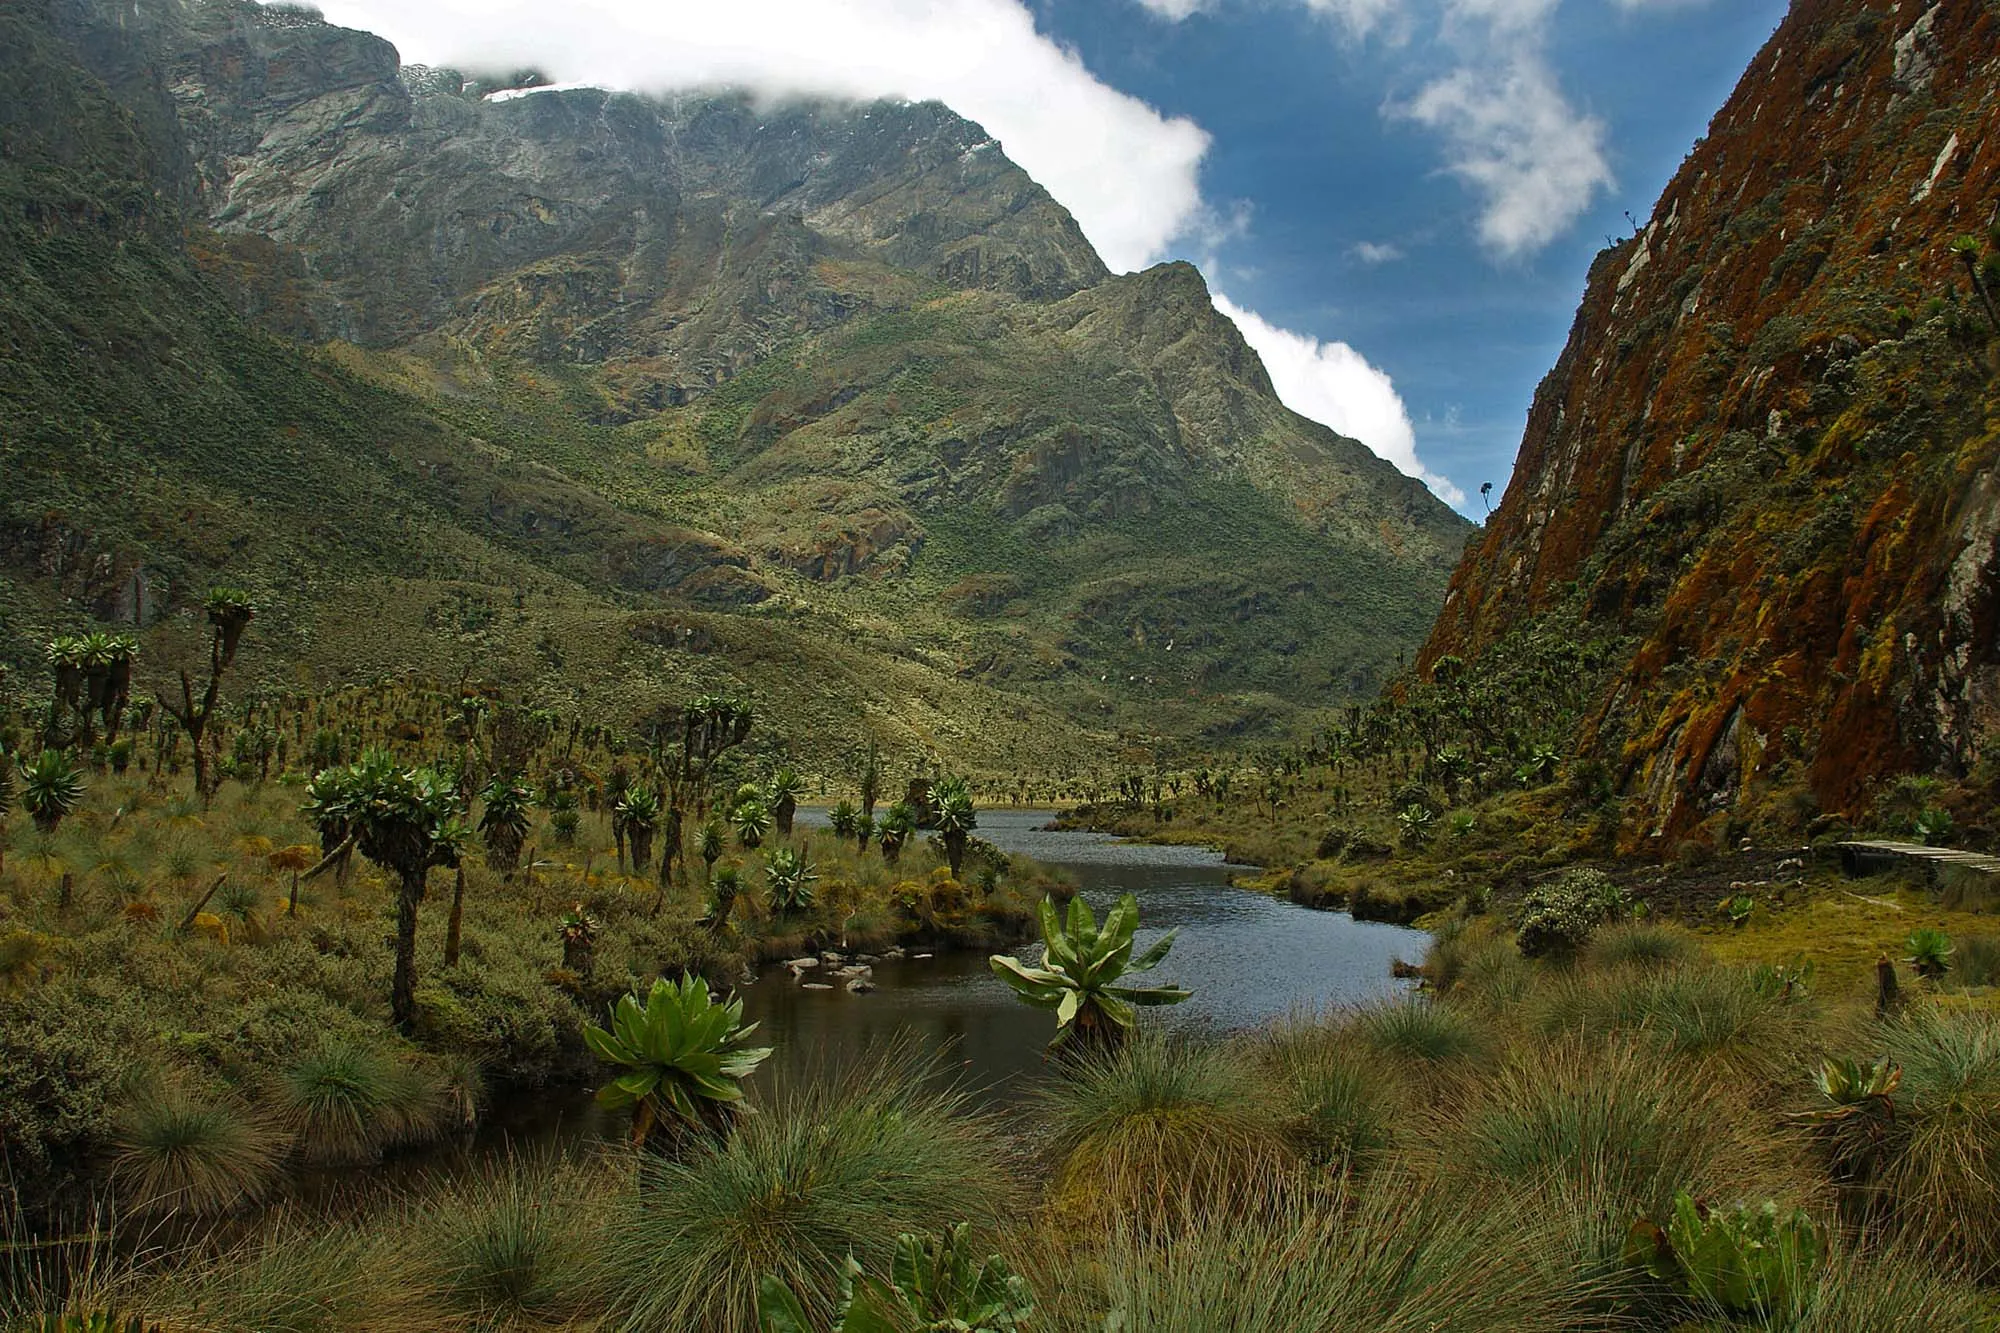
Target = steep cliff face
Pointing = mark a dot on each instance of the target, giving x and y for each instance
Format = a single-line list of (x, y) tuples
[(835, 392), (1766, 456)]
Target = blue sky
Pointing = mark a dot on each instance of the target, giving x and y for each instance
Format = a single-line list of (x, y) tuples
[(1397, 200), (1307, 139)]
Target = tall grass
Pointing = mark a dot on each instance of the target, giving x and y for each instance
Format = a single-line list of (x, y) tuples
[(1421, 1030), (839, 1164), (1389, 1255), (1160, 1123), (1617, 1123), (1696, 1011), (175, 1150), (514, 1242), (1941, 1173), (1642, 944), (300, 1275), (1343, 1112), (345, 1100)]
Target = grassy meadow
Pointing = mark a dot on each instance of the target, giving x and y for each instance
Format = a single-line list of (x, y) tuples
[(1625, 1095)]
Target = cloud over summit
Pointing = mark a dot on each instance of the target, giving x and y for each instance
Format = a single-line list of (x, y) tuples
[(1128, 173)]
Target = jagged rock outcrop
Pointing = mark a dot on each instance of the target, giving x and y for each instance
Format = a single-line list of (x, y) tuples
[(1766, 456)]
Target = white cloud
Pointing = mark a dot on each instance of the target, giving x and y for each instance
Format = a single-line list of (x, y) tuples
[(1175, 10), (1334, 385), (1127, 173), (1509, 132), (1534, 161), (1376, 252)]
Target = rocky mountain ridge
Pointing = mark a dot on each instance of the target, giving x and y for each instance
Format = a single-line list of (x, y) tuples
[(657, 372), (1765, 460)]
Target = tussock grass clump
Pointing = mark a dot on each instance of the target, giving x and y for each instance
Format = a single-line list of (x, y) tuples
[(1896, 1289), (1476, 960), (177, 1151), (1941, 1168), (1643, 944), (839, 1164), (1619, 1123), (1694, 1011), (514, 1241), (1343, 1111), (1388, 1255), (1976, 960), (1422, 1030), (299, 1276), (1157, 1127), (346, 1100)]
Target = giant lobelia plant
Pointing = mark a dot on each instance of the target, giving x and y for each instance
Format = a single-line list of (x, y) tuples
[(685, 1057), (1081, 970)]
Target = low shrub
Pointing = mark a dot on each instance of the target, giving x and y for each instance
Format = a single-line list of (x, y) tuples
[(1558, 916)]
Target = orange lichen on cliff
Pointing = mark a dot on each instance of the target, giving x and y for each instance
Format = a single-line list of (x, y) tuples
[(1763, 453)]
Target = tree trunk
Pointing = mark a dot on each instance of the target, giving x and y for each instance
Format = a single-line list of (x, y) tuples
[(403, 987), (451, 933), (195, 733), (783, 813), (954, 851)]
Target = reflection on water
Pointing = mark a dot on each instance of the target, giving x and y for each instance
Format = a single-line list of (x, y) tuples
[(1246, 957)]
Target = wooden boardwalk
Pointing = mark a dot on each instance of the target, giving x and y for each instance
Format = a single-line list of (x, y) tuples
[(1870, 858)]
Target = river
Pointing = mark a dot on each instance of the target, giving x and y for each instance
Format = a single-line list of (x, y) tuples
[(1247, 957)]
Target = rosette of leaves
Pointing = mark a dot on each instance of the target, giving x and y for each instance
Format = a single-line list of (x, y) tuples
[(956, 819), (727, 882), (578, 933), (897, 824), (790, 877), (1860, 1110), (1747, 1260), (637, 815), (1930, 952), (503, 824), (1415, 825), (407, 821), (752, 820), (842, 819), (685, 1057), (51, 787), (230, 611), (781, 793), (934, 1286), (1081, 972)]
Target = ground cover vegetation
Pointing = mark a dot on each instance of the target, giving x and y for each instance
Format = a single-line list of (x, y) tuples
[(360, 917), (1631, 1135)]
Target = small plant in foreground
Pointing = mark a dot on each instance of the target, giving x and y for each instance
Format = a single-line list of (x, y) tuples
[(1080, 968), (1738, 908), (933, 1284), (1743, 1260), (685, 1055), (1930, 952)]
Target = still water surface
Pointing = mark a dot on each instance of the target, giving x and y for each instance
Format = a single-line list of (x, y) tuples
[(1246, 957)]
